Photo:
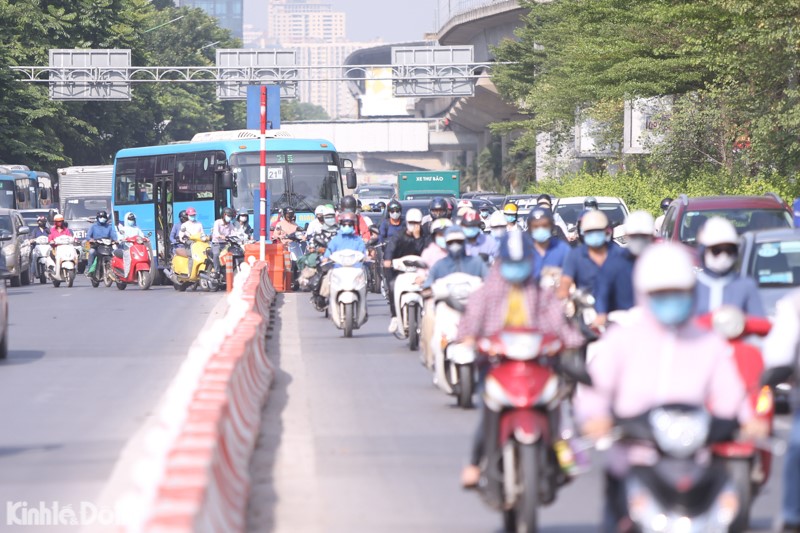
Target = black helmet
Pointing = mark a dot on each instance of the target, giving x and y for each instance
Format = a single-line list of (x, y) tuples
[(544, 198), (439, 205), (394, 204), (590, 202), (182, 216), (229, 212), (102, 214), (665, 203), (41, 221), (540, 213), (348, 203), (289, 214)]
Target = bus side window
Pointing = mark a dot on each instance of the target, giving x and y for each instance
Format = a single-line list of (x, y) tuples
[(204, 176), (184, 175), (126, 180), (144, 179)]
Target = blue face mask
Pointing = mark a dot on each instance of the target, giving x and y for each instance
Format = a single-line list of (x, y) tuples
[(441, 243), (471, 232), (192, 218), (673, 308), (511, 218), (541, 235), (516, 271), (130, 223), (348, 230), (594, 239)]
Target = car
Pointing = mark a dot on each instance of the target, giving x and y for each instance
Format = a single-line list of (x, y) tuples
[(371, 194), (79, 213), (16, 247), (478, 194), (571, 207), (685, 216), (517, 198), (772, 258), (3, 321)]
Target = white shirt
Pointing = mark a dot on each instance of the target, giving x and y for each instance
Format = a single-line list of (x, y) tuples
[(780, 346)]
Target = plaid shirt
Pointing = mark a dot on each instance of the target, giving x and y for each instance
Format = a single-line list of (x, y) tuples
[(486, 311)]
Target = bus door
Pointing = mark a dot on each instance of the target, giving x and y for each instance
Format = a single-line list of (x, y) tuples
[(164, 217)]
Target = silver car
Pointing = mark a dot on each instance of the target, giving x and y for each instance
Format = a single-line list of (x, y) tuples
[(16, 247)]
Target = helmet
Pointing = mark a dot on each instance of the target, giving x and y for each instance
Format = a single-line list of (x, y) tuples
[(394, 204), (347, 216), (517, 246), (182, 216), (230, 212), (497, 220), (327, 211), (318, 211), (130, 216), (544, 198), (58, 218), (717, 230), (414, 215), (454, 233), (640, 223), (471, 219), (440, 225), (41, 221), (289, 214), (380, 205), (665, 203), (191, 211), (510, 209), (464, 203), (359, 204), (593, 220), (540, 213), (663, 267), (348, 203), (590, 202), (450, 206), (440, 206), (102, 214)]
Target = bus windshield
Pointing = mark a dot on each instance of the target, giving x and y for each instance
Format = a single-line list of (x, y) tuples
[(302, 180), (7, 198)]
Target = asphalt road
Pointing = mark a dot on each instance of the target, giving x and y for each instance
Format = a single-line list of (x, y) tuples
[(355, 438), (86, 367)]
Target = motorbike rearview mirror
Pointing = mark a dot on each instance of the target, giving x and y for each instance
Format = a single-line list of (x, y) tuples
[(5, 235), (374, 230), (24, 230), (573, 365), (305, 228), (775, 376)]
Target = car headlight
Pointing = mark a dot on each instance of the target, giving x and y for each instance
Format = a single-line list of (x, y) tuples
[(680, 433)]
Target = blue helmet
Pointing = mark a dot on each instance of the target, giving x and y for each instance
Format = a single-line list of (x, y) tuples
[(516, 246)]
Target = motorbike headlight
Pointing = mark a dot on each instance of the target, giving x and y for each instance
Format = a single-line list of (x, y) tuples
[(680, 433)]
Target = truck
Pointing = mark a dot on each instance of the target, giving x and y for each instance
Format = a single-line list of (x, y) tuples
[(428, 184), (81, 182)]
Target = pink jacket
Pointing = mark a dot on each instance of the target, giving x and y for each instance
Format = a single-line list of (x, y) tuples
[(431, 255)]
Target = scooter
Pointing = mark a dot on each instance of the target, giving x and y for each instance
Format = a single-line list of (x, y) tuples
[(100, 270), (41, 251), (62, 269), (234, 247), (131, 263), (520, 469), (748, 466), (347, 304), (408, 298), (192, 264), (453, 364)]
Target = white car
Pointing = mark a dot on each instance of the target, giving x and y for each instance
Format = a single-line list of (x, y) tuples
[(373, 194), (571, 208)]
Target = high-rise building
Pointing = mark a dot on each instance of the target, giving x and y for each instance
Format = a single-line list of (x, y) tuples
[(304, 21), (227, 12)]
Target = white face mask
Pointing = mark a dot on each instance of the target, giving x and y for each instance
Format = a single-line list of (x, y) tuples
[(719, 264)]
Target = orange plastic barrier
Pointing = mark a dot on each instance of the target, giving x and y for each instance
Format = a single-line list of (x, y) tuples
[(279, 264)]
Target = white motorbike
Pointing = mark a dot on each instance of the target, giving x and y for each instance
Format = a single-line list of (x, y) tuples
[(41, 251), (408, 298), (347, 303), (63, 269), (453, 363)]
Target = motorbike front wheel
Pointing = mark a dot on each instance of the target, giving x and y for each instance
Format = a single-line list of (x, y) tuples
[(740, 473), (349, 319), (466, 383), (56, 283), (108, 275), (145, 279), (413, 327), (122, 285), (70, 277), (524, 516)]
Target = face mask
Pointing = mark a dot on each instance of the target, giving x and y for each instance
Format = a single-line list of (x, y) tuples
[(471, 232), (516, 271), (130, 223), (594, 239), (455, 248), (719, 264), (672, 309), (243, 221), (330, 221), (441, 243), (394, 216), (226, 219), (348, 230), (102, 220), (192, 218), (636, 245), (498, 233), (511, 219), (541, 235), (484, 214), (414, 228)]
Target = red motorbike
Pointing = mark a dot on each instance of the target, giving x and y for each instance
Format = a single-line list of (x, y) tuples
[(748, 465), (522, 395), (132, 262)]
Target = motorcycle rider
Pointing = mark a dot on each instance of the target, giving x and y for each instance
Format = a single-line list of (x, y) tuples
[(408, 242), (718, 284), (437, 208), (192, 226), (511, 212), (510, 297), (129, 227), (665, 203), (222, 229), (393, 223), (614, 285), (315, 226), (437, 249), (345, 239), (549, 252), (101, 229), (56, 231), (457, 259), (349, 204), (583, 262), (478, 243), (243, 226), (562, 232), (694, 366), (286, 226), (497, 225), (41, 229), (176, 229)]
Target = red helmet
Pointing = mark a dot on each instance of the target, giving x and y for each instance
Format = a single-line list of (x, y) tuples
[(191, 211), (471, 219)]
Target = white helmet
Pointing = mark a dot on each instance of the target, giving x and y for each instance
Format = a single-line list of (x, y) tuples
[(318, 211), (414, 215), (663, 267), (594, 220), (497, 220), (326, 211), (640, 223), (717, 230)]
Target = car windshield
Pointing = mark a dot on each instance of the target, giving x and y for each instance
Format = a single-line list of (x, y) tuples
[(777, 264), (375, 192), (77, 208), (5, 224), (743, 220), (570, 212)]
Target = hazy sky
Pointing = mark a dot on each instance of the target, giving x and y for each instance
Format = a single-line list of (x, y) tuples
[(390, 20)]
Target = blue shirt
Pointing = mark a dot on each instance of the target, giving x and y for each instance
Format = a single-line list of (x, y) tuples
[(484, 244), (713, 291), (100, 231), (389, 230), (613, 288), (472, 265), (555, 256), (582, 269), (341, 242)]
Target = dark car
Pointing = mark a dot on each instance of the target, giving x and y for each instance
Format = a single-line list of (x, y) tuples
[(686, 216), (479, 194)]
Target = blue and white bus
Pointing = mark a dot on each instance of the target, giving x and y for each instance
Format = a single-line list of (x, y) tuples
[(32, 189), (220, 169)]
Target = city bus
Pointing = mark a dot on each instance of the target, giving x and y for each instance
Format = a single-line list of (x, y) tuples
[(31, 189), (221, 169)]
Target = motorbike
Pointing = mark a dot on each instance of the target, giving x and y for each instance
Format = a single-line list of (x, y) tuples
[(234, 246), (100, 270), (311, 272), (63, 268), (677, 488), (132, 263), (192, 265), (41, 251), (521, 471), (374, 269), (347, 303), (297, 249), (408, 299), (748, 465), (453, 364)]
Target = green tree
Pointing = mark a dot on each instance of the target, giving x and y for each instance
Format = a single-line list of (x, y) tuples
[(293, 110)]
